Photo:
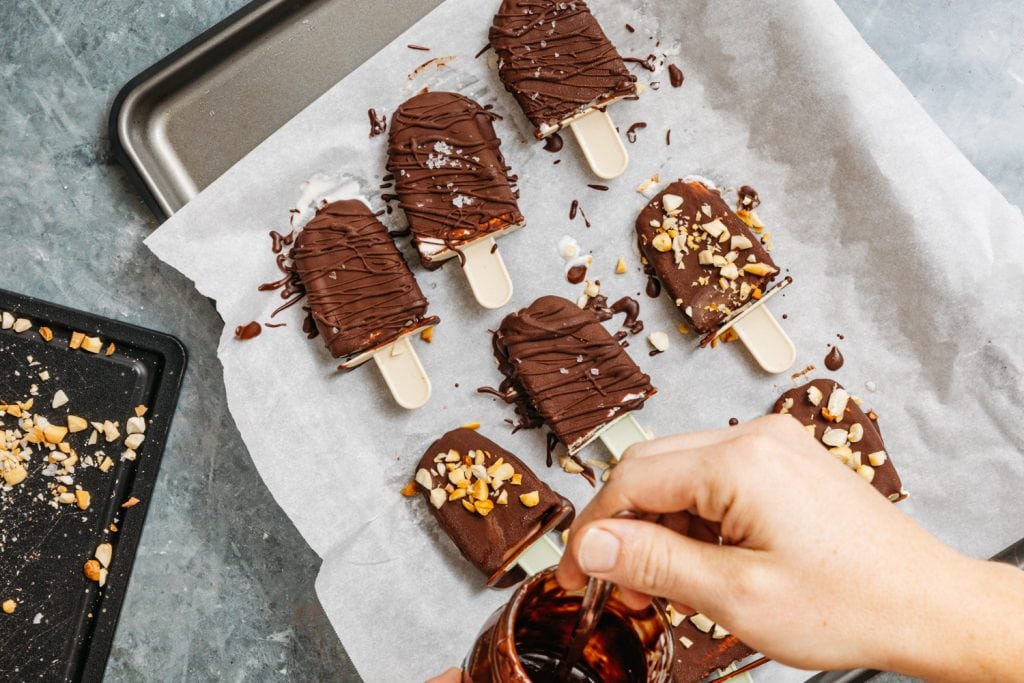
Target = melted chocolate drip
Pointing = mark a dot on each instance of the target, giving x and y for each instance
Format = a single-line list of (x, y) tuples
[(378, 123), (275, 325), (648, 63), (599, 188), (557, 62), (628, 305), (248, 331), (675, 75), (279, 241), (553, 143), (576, 274), (630, 28), (631, 133), (834, 360), (484, 49), (452, 180), (733, 421), (576, 208), (668, 137), (418, 47), (563, 368), (653, 284)]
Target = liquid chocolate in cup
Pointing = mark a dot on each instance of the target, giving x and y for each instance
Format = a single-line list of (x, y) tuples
[(525, 640)]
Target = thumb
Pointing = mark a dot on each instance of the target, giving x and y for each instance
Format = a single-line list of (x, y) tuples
[(648, 558)]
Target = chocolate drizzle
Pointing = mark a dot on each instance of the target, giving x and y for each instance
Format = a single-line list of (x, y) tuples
[(248, 331), (747, 198), (378, 122), (557, 62), (631, 133), (451, 179), (360, 291), (648, 63), (628, 305), (576, 208), (564, 369), (553, 143)]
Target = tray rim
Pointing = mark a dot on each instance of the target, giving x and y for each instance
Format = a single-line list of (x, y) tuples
[(166, 392)]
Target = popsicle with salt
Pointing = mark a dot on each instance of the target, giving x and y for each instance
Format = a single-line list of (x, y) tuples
[(455, 188), (560, 66)]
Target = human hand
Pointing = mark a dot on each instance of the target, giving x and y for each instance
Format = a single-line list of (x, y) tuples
[(819, 570), (449, 676)]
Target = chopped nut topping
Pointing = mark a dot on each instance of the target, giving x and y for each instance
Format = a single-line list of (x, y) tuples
[(877, 459), (659, 340), (9, 606), (427, 334), (104, 553), (424, 478), (837, 404), (834, 437), (82, 499), (702, 623), (787, 405), (92, 570), (22, 325), (438, 497), (531, 499), (856, 432), (46, 333), (866, 472), (671, 202), (719, 632), (92, 344), (761, 269), (130, 503), (620, 266), (662, 242), (687, 643)]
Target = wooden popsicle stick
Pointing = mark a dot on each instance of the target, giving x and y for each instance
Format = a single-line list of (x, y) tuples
[(485, 269), (403, 373), (601, 144)]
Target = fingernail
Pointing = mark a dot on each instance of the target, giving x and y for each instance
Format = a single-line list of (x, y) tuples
[(599, 551)]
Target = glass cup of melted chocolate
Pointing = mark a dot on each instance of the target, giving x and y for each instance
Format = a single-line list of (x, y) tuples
[(526, 640)]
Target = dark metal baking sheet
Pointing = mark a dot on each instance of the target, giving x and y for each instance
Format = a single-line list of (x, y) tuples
[(177, 126), (43, 549)]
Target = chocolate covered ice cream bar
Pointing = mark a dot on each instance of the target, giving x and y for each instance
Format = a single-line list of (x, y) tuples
[(362, 296), (706, 258), (492, 506), (556, 61), (562, 69), (565, 370), (702, 647), (713, 267), (835, 419), (452, 182)]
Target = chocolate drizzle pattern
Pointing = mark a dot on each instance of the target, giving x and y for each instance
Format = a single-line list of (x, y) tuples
[(563, 369), (451, 179), (360, 291), (556, 60)]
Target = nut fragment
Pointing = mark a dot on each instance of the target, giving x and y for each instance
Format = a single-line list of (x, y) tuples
[(9, 606), (719, 632), (702, 623), (7, 320), (620, 266), (867, 472), (856, 432), (675, 617), (659, 340), (22, 325), (877, 459), (662, 242), (92, 344), (531, 499), (140, 410), (837, 404), (130, 503), (834, 437), (59, 399), (135, 425), (424, 478), (715, 228), (814, 395), (133, 441), (54, 434), (427, 334), (103, 578), (76, 424), (46, 333), (15, 475), (438, 497), (76, 340), (671, 202), (110, 431), (104, 552), (762, 269), (409, 490), (687, 643), (82, 499), (92, 570)]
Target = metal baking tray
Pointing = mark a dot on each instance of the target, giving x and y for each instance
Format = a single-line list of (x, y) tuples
[(63, 626), (183, 122)]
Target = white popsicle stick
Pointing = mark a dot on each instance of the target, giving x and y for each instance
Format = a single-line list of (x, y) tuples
[(403, 373), (601, 144), (545, 552), (623, 433), (485, 269), (762, 334)]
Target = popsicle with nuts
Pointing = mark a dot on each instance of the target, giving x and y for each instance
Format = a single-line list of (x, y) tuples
[(362, 296), (560, 66), (492, 506), (834, 417), (455, 188), (714, 268), (564, 369)]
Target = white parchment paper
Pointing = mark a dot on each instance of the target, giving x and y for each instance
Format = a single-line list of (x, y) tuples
[(894, 240)]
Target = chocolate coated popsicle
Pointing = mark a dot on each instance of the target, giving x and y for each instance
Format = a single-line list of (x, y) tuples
[(705, 256), (451, 179), (564, 369), (557, 62), (490, 504), (361, 292), (701, 648), (835, 419)]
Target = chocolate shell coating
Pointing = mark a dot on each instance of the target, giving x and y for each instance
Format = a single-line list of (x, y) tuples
[(696, 288), (567, 370), (556, 61), (490, 542), (451, 179), (886, 479), (361, 292), (705, 654)]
